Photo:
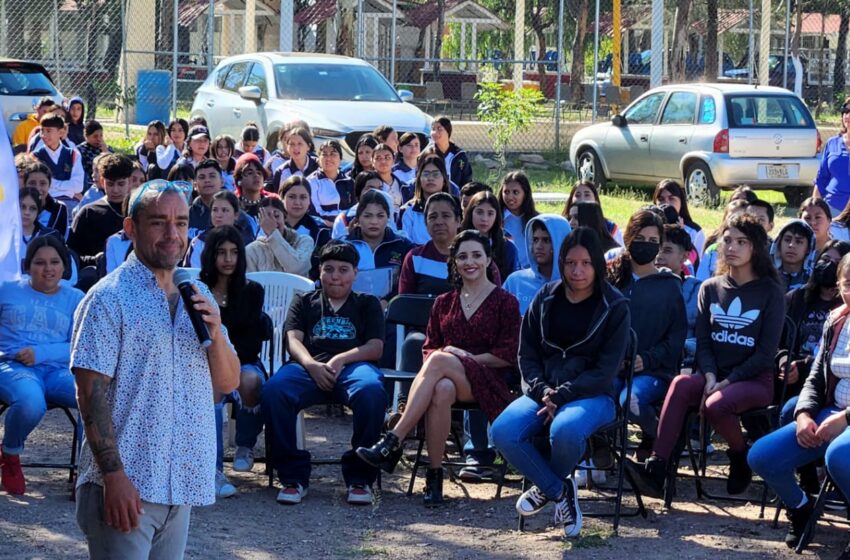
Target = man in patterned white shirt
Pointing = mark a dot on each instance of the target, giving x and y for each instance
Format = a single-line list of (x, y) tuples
[(145, 391)]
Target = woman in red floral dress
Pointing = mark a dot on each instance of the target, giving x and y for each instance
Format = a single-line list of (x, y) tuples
[(470, 356)]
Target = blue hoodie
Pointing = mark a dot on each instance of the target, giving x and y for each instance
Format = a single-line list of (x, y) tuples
[(524, 284)]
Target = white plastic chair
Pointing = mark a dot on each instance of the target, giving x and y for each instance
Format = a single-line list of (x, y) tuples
[(281, 288)]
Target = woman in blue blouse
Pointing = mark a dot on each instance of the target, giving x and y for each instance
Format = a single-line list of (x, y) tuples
[(833, 179), (36, 318)]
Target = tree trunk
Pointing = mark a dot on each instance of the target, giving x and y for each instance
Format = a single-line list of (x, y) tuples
[(711, 70), (165, 33), (438, 38), (345, 35), (838, 75), (577, 66), (680, 41), (823, 68)]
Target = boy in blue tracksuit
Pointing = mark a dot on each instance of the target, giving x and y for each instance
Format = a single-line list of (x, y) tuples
[(544, 235)]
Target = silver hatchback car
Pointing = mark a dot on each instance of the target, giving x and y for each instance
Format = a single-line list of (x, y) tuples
[(710, 136)]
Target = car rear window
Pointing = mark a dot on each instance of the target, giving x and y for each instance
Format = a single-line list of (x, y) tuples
[(768, 111), (332, 82), (24, 79)]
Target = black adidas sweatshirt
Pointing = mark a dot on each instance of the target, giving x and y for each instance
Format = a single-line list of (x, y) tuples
[(738, 327)]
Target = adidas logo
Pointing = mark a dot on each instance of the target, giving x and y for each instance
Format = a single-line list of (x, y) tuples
[(732, 318)]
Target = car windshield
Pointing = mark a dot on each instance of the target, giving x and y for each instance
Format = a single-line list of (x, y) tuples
[(22, 79), (332, 82), (768, 111)]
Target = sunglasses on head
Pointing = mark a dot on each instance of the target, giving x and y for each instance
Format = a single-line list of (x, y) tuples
[(845, 110)]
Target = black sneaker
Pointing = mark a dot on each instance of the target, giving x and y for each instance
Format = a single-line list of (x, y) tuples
[(531, 502), (799, 518), (567, 510)]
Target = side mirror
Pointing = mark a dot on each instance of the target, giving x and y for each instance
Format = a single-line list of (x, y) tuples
[(619, 121), (406, 95), (252, 93)]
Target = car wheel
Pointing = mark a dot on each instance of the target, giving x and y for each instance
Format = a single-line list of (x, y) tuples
[(700, 185), (589, 169), (794, 196)]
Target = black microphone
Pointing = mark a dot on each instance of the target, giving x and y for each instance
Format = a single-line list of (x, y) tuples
[(183, 280)]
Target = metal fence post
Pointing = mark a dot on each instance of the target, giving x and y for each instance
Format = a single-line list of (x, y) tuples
[(559, 68), (125, 101), (174, 63), (210, 37), (595, 64), (787, 33), (656, 64), (361, 28), (393, 43), (54, 23)]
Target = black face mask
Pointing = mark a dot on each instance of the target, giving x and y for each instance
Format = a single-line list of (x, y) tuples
[(826, 274), (643, 252)]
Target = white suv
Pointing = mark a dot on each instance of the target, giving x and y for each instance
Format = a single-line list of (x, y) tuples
[(711, 136), (339, 97)]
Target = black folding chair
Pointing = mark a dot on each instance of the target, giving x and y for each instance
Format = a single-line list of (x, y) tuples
[(615, 434), (70, 466), (826, 487), (759, 422)]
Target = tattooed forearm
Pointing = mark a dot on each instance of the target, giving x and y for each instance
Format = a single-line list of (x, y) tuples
[(97, 419)]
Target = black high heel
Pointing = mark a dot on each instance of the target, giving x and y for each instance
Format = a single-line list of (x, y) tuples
[(385, 454)]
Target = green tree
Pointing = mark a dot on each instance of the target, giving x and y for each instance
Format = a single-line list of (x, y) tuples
[(509, 112)]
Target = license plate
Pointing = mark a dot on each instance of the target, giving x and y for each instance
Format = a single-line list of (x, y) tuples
[(777, 171)]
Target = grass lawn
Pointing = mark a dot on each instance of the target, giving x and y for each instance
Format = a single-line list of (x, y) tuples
[(621, 201)]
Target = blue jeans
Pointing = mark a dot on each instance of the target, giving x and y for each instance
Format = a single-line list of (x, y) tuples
[(574, 423), (249, 421), (776, 456), (360, 386), (478, 445), (648, 394), (786, 416), (28, 391)]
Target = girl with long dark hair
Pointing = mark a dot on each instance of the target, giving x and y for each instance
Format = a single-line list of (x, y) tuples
[(671, 193), (240, 302), (430, 178), (573, 340), (470, 356), (586, 192), (518, 207), (483, 214), (739, 322), (589, 215)]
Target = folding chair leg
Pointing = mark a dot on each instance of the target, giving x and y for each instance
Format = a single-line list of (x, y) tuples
[(816, 513), (503, 472), (776, 514), (521, 520), (416, 465)]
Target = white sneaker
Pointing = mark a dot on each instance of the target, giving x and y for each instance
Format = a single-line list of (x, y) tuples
[(291, 494), (243, 459), (599, 477), (359, 495), (223, 487)]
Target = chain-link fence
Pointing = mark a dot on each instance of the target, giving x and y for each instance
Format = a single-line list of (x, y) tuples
[(137, 60)]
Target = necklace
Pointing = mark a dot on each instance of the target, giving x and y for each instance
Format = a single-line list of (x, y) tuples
[(472, 299), (220, 298)]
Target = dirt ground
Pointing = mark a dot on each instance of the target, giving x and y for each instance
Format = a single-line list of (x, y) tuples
[(472, 524)]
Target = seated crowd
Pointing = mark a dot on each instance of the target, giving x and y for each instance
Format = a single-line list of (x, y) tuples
[(531, 318)]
